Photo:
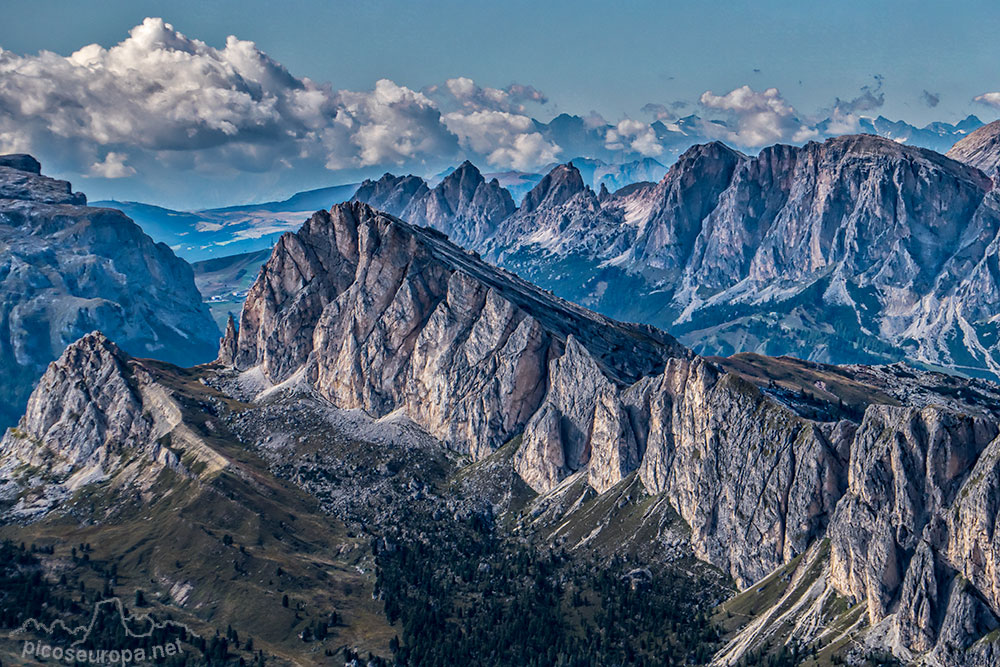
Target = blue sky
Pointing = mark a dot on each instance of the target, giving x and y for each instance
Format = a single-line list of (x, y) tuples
[(584, 56)]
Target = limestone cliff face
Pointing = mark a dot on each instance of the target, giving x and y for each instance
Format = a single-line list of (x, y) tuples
[(382, 315), (463, 205), (973, 541), (907, 466), (67, 269), (558, 438), (755, 481), (96, 415), (894, 242), (377, 314), (912, 537), (980, 149)]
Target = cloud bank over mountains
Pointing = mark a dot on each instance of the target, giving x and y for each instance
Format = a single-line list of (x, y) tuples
[(162, 107)]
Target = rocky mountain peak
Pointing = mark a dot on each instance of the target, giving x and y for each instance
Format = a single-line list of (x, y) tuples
[(422, 325), (93, 346), (21, 178), (67, 269), (390, 193), (981, 149), (873, 147), (97, 413), (458, 188), (463, 205), (556, 188), (713, 150), (83, 411), (465, 171), (21, 162)]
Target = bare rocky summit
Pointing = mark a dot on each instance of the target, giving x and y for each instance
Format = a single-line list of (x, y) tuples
[(93, 411), (67, 269), (463, 205), (981, 149), (462, 347), (859, 249)]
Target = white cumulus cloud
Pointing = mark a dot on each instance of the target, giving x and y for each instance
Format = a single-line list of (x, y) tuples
[(463, 92), (633, 135), (391, 124), (757, 118), (112, 166), (161, 100), (989, 99), (507, 140)]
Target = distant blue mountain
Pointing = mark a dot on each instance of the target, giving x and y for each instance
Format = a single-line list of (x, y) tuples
[(218, 232)]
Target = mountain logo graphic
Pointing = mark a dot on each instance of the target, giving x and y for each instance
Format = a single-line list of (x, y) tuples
[(111, 636)]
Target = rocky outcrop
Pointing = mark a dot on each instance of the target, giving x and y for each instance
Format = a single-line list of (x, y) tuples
[(893, 242), (67, 269), (463, 205), (382, 315), (668, 218), (899, 537), (97, 415), (20, 178), (972, 538), (557, 187), (87, 413), (981, 149), (21, 162), (227, 346)]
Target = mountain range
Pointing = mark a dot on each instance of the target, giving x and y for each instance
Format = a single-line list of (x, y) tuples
[(211, 233), (855, 250), (586, 137), (511, 456), (206, 234), (430, 427), (233, 230)]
